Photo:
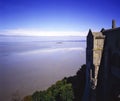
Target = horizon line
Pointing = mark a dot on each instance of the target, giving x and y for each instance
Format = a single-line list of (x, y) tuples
[(30, 32)]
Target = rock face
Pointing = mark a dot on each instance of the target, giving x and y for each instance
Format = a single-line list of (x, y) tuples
[(103, 65)]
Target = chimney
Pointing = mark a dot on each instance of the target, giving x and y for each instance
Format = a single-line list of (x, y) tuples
[(113, 24)]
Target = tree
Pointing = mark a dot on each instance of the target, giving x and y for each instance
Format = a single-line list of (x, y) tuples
[(68, 89), (67, 92), (61, 91), (78, 83), (36, 96)]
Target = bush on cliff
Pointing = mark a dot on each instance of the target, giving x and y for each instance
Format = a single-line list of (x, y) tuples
[(68, 89)]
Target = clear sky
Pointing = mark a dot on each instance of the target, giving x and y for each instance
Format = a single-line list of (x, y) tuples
[(57, 17)]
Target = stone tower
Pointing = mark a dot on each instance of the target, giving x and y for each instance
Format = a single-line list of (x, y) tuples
[(95, 41)]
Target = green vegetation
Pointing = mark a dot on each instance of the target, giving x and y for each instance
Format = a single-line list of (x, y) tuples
[(68, 89), (78, 83), (61, 91)]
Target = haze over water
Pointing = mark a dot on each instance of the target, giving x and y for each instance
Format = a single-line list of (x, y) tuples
[(28, 64)]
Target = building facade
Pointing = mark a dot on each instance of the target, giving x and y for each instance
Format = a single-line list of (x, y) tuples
[(108, 88), (100, 47)]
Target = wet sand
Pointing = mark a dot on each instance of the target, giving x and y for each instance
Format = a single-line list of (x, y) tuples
[(38, 68)]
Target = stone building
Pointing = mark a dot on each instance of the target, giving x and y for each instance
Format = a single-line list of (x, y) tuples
[(95, 41), (97, 66), (108, 88)]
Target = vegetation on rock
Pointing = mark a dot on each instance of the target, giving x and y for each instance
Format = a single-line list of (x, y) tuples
[(68, 89)]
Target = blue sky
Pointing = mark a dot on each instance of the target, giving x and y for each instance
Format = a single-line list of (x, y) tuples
[(57, 17)]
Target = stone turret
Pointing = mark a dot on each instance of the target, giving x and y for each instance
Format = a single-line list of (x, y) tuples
[(113, 24)]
